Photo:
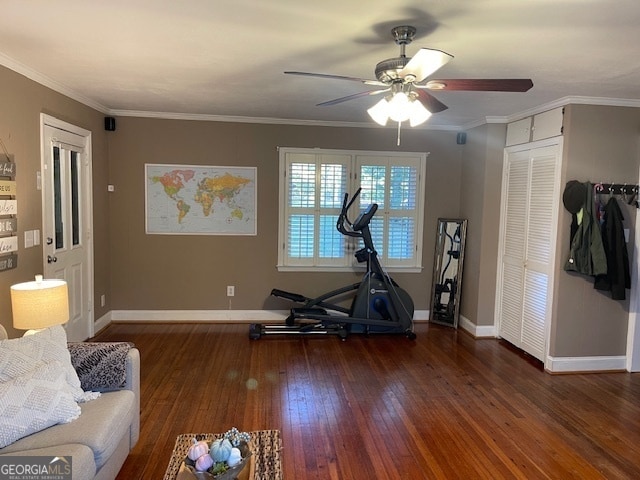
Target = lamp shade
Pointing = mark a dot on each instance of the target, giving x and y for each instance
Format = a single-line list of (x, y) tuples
[(380, 112), (39, 304), (419, 114), (399, 107)]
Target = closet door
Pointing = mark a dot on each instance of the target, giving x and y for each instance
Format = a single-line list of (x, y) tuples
[(527, 240)]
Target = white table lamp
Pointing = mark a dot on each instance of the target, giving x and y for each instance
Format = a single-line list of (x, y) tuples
[(39, 304)]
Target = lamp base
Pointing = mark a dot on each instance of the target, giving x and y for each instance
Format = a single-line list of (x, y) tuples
[(31, 332)]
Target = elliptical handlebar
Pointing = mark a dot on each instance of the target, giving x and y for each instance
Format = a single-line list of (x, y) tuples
[(346, 205)]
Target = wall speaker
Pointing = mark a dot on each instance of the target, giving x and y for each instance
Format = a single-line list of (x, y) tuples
[(461, 138), (109, 124)]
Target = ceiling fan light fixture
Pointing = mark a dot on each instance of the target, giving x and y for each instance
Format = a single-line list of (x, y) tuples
[(380, 112), (399, 107), (418, 114)]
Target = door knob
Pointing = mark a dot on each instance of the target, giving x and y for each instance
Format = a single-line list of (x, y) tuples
[(51, 259), (49, 240)]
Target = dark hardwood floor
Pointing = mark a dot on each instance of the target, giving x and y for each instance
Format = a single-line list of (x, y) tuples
[(444, 406)]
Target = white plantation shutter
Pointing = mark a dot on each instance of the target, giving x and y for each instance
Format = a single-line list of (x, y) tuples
[(313, 184), (314, 188), (301, 203), (394, 185), (531, 199)]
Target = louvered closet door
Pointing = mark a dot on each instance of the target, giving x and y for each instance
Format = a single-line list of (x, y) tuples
[(528, 232), (514, 239)]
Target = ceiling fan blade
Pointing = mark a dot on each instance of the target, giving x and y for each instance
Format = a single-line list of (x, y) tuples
[(338, 77), (351, 97), (424, 63), (430, 102), (481, 85)]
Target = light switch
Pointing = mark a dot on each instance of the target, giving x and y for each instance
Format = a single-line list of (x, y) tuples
[(28, 239)]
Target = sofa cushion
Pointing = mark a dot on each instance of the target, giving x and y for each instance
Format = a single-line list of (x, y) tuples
[(19, 355), (35, 400), (83, 467), (103, 422)]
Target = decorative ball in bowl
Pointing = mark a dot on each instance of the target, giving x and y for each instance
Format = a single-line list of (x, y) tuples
[(222, 459)]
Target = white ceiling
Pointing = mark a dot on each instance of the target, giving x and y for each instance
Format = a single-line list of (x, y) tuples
[(226, 58)]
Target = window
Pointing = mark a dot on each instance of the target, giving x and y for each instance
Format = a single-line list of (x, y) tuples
[(313, 183)]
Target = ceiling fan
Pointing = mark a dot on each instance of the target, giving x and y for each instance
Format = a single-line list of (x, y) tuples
[(407, 81)]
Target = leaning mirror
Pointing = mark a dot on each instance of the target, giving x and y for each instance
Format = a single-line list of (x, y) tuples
[(447, 271)]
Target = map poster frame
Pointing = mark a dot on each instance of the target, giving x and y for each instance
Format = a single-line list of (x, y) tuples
[(200, 199)]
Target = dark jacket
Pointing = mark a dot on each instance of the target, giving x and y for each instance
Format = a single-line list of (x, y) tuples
[(586, 254), (617, 278)]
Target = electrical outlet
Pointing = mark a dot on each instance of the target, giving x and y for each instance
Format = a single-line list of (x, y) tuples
[(103, 300), (231, 290)]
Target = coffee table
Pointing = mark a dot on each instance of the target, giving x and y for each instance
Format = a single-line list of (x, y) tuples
[(265, 448)]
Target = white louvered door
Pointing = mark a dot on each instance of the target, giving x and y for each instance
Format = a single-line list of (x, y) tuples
[(527, 231), (514, 224)]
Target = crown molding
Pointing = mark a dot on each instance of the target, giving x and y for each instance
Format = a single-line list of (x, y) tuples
[(561, 102), (43, 80), (38, 77), (262, 120)]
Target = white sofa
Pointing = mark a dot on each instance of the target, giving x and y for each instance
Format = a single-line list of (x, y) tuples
[(100, 440)]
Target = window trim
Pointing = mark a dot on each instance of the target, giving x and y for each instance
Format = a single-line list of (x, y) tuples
[(415, 267)]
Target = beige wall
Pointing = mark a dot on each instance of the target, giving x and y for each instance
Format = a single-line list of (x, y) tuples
[(600, 145), (164, 272), (481, 183), (22, 103), (155, 272)]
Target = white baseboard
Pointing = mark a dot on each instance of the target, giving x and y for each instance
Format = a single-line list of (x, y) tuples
[(421, 316), (585, 364), (195, 316), (102, 323), (478, 331), (223, 316)]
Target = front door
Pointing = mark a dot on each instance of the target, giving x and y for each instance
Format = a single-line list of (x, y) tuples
[(67, 219)]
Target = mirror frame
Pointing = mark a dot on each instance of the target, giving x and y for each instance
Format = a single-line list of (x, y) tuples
[(438, 259)]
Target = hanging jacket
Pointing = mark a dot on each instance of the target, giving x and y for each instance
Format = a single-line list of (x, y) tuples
[(586, 254), (617, 278)]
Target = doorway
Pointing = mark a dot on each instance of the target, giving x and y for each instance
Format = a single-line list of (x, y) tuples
[(67, 218)]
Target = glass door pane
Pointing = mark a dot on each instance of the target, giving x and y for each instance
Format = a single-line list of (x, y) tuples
[(75, 198), (57, 199)]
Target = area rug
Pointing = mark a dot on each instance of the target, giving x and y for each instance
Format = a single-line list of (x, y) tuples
[(265, 449)]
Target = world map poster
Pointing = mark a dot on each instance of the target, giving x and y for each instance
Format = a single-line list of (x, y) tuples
[(200, 200)]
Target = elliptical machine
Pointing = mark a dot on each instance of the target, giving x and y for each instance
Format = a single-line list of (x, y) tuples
[(379, 304)]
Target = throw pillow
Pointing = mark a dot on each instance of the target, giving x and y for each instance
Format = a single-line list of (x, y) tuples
[(19, 355), (35, 400), (101, 366)]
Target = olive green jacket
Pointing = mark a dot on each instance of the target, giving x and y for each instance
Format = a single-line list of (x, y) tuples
[(586, 254)]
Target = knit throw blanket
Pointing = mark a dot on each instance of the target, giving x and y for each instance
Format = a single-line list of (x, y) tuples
[(101, 366)]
